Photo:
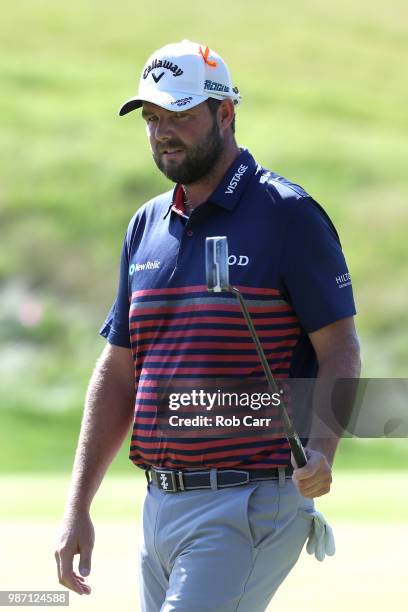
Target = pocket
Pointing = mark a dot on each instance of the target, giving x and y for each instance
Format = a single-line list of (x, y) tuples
[(306, 508), (245, 510), (261, 511), (307, 518)]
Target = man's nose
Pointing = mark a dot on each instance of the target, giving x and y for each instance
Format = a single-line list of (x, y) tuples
[(163, 130)]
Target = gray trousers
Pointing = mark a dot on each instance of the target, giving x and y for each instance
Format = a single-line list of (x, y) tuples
[(224, 550)]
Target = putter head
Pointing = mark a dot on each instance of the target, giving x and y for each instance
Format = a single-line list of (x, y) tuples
[(216, 263)]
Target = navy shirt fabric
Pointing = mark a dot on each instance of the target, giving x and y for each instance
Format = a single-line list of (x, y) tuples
[(286, 258)]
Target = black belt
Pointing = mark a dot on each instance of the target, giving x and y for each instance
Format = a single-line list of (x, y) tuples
[(173, 481)]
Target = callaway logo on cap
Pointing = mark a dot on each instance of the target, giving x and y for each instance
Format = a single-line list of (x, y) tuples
[(182, 75)]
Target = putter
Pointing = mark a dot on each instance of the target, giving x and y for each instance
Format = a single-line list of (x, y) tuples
[(216, 259)]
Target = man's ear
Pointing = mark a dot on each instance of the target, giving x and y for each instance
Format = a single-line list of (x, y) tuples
[(225, 114)]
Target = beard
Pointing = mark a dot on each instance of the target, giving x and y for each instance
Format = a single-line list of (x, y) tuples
[(198, 160)]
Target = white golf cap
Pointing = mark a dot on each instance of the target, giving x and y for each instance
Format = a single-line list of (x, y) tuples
[(182, 75)]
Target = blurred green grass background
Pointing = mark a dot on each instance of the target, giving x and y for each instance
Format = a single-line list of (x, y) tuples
[(324, 92)]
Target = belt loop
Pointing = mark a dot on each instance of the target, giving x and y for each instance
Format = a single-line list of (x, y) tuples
[(281, 472), (213, 479)]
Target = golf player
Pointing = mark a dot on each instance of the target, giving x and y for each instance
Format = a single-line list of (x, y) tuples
[(224, 519)]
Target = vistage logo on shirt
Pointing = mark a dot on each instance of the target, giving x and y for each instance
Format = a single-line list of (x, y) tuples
[(236, 178), (149, 265)]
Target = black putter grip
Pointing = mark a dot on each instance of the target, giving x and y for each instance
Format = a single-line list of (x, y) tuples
[(298, 451)]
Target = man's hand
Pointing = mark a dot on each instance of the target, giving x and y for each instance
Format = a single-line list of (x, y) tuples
[(314, 479), (77, 537), (108, 415)]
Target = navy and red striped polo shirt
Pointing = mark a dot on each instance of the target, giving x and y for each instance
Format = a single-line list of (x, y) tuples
[(286, 258)]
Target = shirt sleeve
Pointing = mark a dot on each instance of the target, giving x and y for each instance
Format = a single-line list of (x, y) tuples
[(315, 278), (116, 326)]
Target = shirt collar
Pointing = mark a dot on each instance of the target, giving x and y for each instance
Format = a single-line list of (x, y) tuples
[(228, 192), (178, 202), (232, 186)]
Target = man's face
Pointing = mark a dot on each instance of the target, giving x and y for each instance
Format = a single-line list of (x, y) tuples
[(185, 145)]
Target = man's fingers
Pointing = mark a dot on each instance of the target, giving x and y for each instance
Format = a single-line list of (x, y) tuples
[(307, 486), (314, 464), (314, 494), (58, 565), (315, 490), (305, 472), (77, 538), (317, 479), (314, 479), (66, 562), (66, 574), (322, 491), (85, 562)]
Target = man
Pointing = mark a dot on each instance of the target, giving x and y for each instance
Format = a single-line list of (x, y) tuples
[(224, 520)]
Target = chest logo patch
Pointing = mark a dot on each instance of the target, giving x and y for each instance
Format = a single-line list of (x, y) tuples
[(141, 267)]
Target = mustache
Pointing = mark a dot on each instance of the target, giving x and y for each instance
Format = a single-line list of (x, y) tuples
[(171, 144)]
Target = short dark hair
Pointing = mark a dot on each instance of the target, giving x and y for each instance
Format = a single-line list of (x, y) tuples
[(213, 105)]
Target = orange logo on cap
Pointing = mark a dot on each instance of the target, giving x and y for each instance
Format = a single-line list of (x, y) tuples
[(205, 54)]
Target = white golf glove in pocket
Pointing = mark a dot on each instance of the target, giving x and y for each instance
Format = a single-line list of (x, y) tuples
[(321, 538)]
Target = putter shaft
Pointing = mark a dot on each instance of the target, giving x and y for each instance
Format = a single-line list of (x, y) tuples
[(293, 438)]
